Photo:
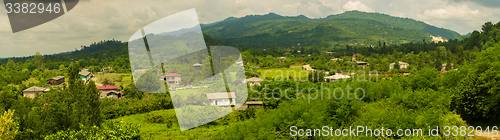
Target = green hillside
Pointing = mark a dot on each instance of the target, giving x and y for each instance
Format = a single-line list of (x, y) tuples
[(399, 22), (346, 28)]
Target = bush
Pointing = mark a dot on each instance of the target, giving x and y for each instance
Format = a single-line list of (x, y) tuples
[(113, 130), (155, 118)]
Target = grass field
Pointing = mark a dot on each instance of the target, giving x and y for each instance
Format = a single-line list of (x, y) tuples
[(163, 131), (118, 78), (293, 72), (31, 80)]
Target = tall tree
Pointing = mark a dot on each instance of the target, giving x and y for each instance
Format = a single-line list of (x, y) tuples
[(460, 55)]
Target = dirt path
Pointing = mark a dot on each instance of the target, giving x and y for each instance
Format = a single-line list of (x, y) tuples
[(490, 136), (308, 67), (97, 84)]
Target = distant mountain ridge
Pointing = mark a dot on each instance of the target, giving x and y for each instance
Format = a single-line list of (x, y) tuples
[(400, 22), (349, 27)]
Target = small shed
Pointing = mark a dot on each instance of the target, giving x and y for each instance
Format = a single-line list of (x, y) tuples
[(56, 80), (254, 104), (362, 64), (222, 98), (197, 66)]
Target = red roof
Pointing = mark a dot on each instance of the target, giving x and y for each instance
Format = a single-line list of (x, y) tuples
[(106, 87), (353, 56), (171, 75)]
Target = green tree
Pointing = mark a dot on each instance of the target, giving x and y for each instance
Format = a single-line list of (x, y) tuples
[(460, 55), (316, 76), (476, 94), (396, 65), (131, 92)]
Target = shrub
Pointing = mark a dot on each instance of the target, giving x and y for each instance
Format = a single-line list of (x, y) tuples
[(155, 118), (113, 130)]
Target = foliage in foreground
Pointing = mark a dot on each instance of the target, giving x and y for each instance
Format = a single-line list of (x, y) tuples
[(112, 130), (8, 128)]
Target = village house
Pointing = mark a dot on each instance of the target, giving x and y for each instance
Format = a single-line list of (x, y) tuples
[(106, 68), (32, 91), (335, 59), (222, 99), (444, 67), (254, 81), (109, 91), (56, 80), (328, 53), (172, 79), (362, 64), (402, 65), (336, 77), (86, 75)]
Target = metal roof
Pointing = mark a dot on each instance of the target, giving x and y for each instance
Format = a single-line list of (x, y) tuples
[(222, 95)]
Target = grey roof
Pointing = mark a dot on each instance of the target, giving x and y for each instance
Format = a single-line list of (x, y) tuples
[(254, 79), (57, 78), (254, 102), (282, 58), (196, 65), (84, 72), (222, 95), (35, 89)]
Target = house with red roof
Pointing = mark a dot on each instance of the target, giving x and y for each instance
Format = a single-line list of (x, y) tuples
[(172, 79), (109, 91)]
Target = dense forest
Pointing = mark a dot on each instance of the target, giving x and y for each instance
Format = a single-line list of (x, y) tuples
[(461, 93), (272, 30)]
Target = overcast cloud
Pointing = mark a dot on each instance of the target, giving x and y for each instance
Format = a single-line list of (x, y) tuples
[(95, 20)]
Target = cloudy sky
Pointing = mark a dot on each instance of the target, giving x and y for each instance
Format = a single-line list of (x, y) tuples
[(95, 20)]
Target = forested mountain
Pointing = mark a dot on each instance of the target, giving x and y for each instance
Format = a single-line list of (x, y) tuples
[(398, 22), (349, 27)]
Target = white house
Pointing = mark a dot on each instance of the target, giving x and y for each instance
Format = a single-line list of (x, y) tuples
[(222, 99), (336, 77), (402, 65), (254, 81)]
